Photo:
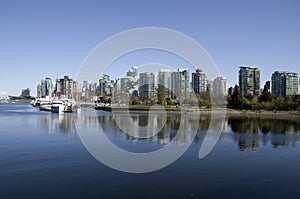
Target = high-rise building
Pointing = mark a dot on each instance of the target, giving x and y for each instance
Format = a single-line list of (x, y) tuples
[(220, 86), (38, 91), (210, 86), (230, 91), (133, 72), (180, 83), (165, 81), (249, 81), (46, 87), (147, 84), (25, 92), (284, 83), (125, 84), (65, 87), (104, 87), (267, 86), (199, 82)]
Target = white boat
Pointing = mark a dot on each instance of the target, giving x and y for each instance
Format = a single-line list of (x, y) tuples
[(40, 101), (62, 106), (46, 107)]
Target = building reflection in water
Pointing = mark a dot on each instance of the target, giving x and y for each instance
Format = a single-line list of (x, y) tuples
[(247, 133), (169, 130), (250, 132)]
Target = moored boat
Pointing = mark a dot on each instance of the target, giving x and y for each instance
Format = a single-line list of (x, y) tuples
[(63, 106), (45, 107)]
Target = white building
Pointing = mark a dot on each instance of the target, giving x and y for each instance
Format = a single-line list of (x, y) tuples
[(220, 86), (148, 84), (165, 80)]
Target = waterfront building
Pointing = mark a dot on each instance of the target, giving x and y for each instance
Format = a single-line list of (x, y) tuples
[(209, 86), (148, 84), (65, 88), (249, 81), (268, 86), (284, 83), (46, 87), (220, 86), (230, 91), (165, 81), (85, 91), (38, 91), (25, 92), (104, 87), (199, 82), (133, 72), (180, 82)]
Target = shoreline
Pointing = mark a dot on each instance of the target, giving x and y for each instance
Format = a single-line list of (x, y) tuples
[(288, 115)]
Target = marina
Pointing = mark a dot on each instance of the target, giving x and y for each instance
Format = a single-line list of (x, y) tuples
[(55, 105)]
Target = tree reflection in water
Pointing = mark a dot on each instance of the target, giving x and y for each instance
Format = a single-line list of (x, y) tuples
[(248, 132)]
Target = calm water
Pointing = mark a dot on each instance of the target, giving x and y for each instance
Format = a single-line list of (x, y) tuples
[(41, 155)]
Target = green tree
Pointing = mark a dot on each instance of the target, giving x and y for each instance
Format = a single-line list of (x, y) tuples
[(169, 101), (161, 94), (235, 100), (265, 96)]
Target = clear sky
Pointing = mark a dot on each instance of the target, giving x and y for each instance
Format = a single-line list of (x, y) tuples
[(52, 38)]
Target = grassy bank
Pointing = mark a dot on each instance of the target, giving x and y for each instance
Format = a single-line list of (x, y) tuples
[(294, 115)]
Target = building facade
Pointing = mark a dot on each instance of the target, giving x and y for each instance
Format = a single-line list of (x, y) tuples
[(220, 86), (65, 87), (25, 92), (46, 87), (199, 82), (180, 82), (284, 84), (148, 84), (249, 81), (165, 81)]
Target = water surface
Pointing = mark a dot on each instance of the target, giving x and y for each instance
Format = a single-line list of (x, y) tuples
[(41, 155)]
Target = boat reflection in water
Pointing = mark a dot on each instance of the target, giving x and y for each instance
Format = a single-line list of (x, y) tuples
[(58, 123)]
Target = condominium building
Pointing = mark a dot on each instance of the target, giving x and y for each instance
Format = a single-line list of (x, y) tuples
[(249, 81), (165, 81), (25, 92), (284, 83), (181, 84), (46, 87), (65, 87), (148, 84), (133, 72), (105, 86), (199, 82), (220, 86)]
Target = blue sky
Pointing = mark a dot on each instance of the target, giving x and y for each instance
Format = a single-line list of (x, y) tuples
[(52, 38)]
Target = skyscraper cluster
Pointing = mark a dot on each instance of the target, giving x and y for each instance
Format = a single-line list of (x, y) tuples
[(148, 85), (62, 88), (169, 84)]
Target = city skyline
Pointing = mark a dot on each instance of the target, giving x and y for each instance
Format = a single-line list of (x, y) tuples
[(53, 38), (183, 81)]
